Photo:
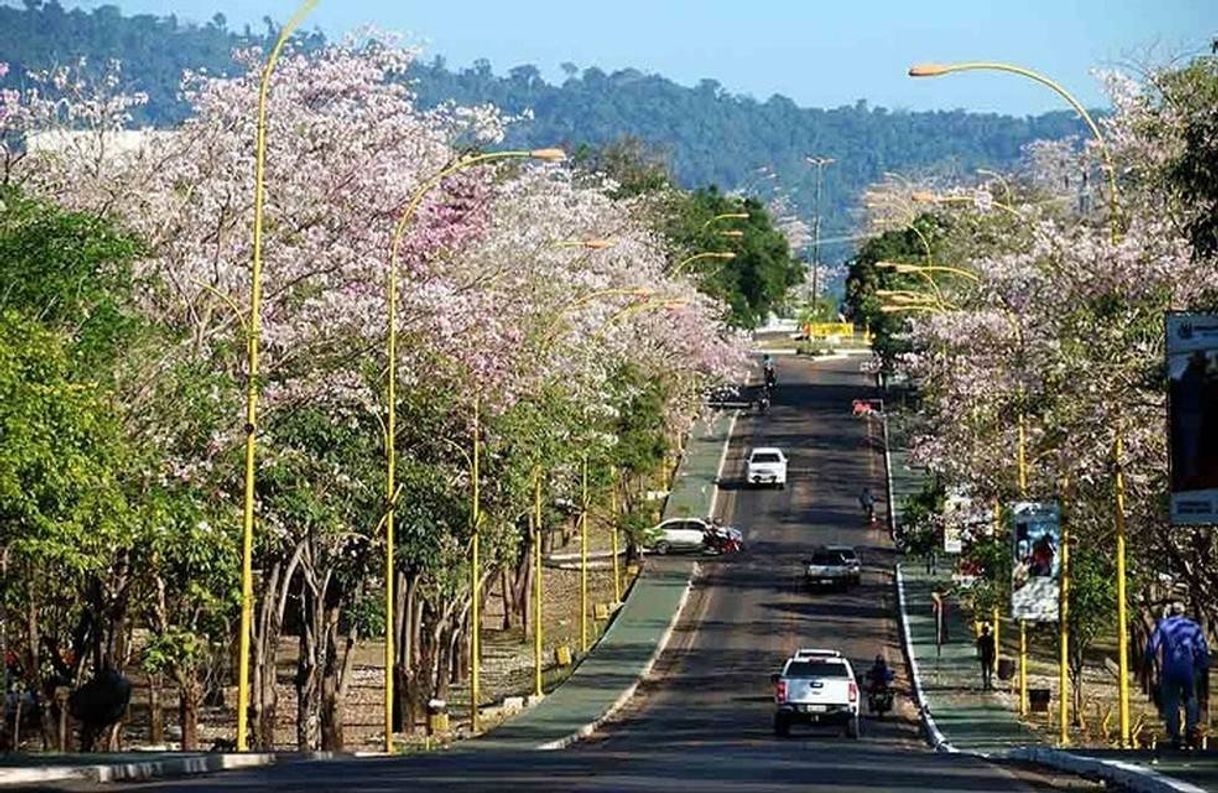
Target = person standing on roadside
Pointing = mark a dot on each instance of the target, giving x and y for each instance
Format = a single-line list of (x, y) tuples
[(986, 653), (1179, 645)]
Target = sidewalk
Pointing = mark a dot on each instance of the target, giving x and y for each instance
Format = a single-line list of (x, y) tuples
[(970, 719), (964, 718), (609, 674)]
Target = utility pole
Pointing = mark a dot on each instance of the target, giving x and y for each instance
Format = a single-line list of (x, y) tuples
[(820, 163)]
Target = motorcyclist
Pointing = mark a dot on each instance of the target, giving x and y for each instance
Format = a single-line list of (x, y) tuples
[(767, 365), (879, 676), (867, 502)]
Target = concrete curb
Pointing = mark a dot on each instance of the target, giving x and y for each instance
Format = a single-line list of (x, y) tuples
[(629, 692), (727, 444), (1128, 775), (892, 507), (142, 770), (934, 735)]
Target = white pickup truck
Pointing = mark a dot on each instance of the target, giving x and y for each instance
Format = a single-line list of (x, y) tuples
[(816, 687), (767, 466), (832, 565)]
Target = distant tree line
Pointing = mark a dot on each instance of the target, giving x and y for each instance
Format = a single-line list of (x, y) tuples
[(711, 136)]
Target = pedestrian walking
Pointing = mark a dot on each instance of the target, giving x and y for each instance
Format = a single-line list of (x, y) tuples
[(986, 653), (1179, 646)]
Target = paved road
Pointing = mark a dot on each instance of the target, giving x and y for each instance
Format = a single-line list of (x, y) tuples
[(706, 724)]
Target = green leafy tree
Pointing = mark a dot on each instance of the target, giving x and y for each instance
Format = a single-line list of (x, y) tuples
[(754, 283)]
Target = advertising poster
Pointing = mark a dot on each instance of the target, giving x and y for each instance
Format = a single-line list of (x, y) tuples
[(1036, 565), (1192, 417)]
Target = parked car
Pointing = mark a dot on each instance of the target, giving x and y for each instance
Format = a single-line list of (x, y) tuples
[(767, 466), (816, 687), (693, 534)]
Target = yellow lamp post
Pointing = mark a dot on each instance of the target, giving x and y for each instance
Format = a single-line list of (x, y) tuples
[(253, 330), (592, 244), (726, 216), (697, 257), (919, 269), (399, 232), (613, 515), (636, 308), (537, 586), (936, 70), (926, 197), (583, 559), (1063, 632), (475, 585)]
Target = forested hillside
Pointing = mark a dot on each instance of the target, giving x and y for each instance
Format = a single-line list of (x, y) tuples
[(709, 135)]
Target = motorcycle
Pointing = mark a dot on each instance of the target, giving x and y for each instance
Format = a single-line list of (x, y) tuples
[(879, 700), (720, 539)]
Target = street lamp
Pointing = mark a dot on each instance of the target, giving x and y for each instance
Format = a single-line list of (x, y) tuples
[(726, 216), (927, 197), (253, 330), (538, 588), (820, 163), (399, 232), (936, 70), (681, 265), (594, 244), (905, 267)]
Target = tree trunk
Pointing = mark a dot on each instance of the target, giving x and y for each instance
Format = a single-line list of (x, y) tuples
[(308, 689), (524, 585), (335, 684), (190, 694), (263, 699), (156, 716), (506, 591)]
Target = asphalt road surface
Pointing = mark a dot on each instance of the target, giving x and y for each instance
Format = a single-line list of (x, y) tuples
[(705, 723)]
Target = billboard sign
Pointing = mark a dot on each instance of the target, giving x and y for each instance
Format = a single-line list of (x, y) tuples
[(1036, 563), (1192, 417)]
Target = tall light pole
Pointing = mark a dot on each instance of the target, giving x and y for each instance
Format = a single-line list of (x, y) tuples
[(391, 494), (253, 329), (936, 70), (821, 163)]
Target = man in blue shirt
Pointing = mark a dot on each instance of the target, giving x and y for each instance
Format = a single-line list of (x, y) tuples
[(1179, 645)]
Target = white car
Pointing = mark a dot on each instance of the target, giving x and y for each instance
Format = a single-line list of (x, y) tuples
[(816, 687), (767, 466), (678, 534)]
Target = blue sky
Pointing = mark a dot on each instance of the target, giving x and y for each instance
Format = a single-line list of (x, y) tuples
[(819, 53)]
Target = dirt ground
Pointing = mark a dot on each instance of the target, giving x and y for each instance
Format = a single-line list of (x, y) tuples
[(1098, 724), (507, 667)]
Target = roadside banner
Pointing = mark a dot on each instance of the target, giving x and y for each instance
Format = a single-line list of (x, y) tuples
[(955, 506), (1192, 417), (1036, 564), (963, 520)]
